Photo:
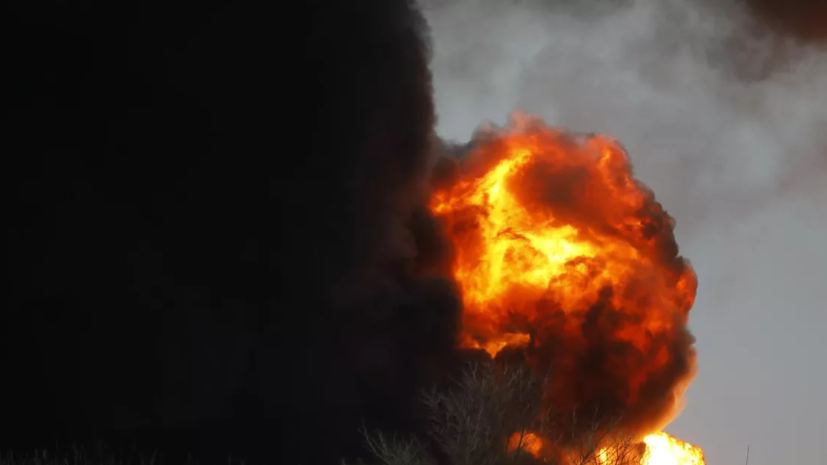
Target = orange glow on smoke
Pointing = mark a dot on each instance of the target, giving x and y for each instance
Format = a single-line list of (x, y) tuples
[(526, 441)]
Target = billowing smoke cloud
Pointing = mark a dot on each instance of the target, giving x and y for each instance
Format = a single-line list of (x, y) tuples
[(678, 82), (217, 239), (188, 268), (723, 115)]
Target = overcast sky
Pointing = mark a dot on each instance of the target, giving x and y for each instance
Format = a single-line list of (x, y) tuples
[(729, 127)]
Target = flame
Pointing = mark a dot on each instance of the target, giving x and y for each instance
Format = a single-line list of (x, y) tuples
[(514, 248), (660, 449), (665, 449), (561, 251)]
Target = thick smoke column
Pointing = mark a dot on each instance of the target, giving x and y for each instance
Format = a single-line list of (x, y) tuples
[(216, 235), (561, 251)]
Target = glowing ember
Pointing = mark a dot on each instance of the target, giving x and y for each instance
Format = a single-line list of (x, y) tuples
[(664, 449), (526, 441)]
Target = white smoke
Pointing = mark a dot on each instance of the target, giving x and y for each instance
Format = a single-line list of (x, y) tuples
[(727, 123)]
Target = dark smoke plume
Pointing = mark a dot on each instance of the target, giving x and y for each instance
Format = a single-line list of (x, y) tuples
[(216, 240), (803, 19)]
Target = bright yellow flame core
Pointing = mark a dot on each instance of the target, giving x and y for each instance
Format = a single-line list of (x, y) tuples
[(661, 449), (522, 250), (664, 449)]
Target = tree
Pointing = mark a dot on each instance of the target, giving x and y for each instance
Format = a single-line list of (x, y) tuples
[(494, 415)]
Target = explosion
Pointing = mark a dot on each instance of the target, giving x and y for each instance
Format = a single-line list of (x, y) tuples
[(562, 254)]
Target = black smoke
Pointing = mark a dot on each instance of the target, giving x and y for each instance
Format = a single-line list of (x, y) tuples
[(215, 234)]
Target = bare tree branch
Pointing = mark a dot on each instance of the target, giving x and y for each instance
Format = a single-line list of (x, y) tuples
[(494, 415)]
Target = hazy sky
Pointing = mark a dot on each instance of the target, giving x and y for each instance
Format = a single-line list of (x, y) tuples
[(729, 127)]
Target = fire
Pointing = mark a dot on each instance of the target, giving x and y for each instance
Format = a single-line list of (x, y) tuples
[(526, 441), (560, 219), (560, 251), (664, 449), (660, 449)]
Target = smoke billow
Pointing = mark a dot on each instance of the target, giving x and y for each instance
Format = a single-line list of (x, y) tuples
[(722, 106), (679, 82), (216, 235)]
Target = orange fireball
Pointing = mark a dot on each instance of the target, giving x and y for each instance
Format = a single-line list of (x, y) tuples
[(561, 251)]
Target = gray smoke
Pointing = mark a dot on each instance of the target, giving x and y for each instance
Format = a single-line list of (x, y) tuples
[(726, 120)]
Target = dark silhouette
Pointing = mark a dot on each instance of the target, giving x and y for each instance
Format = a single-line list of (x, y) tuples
[(214, 224)]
